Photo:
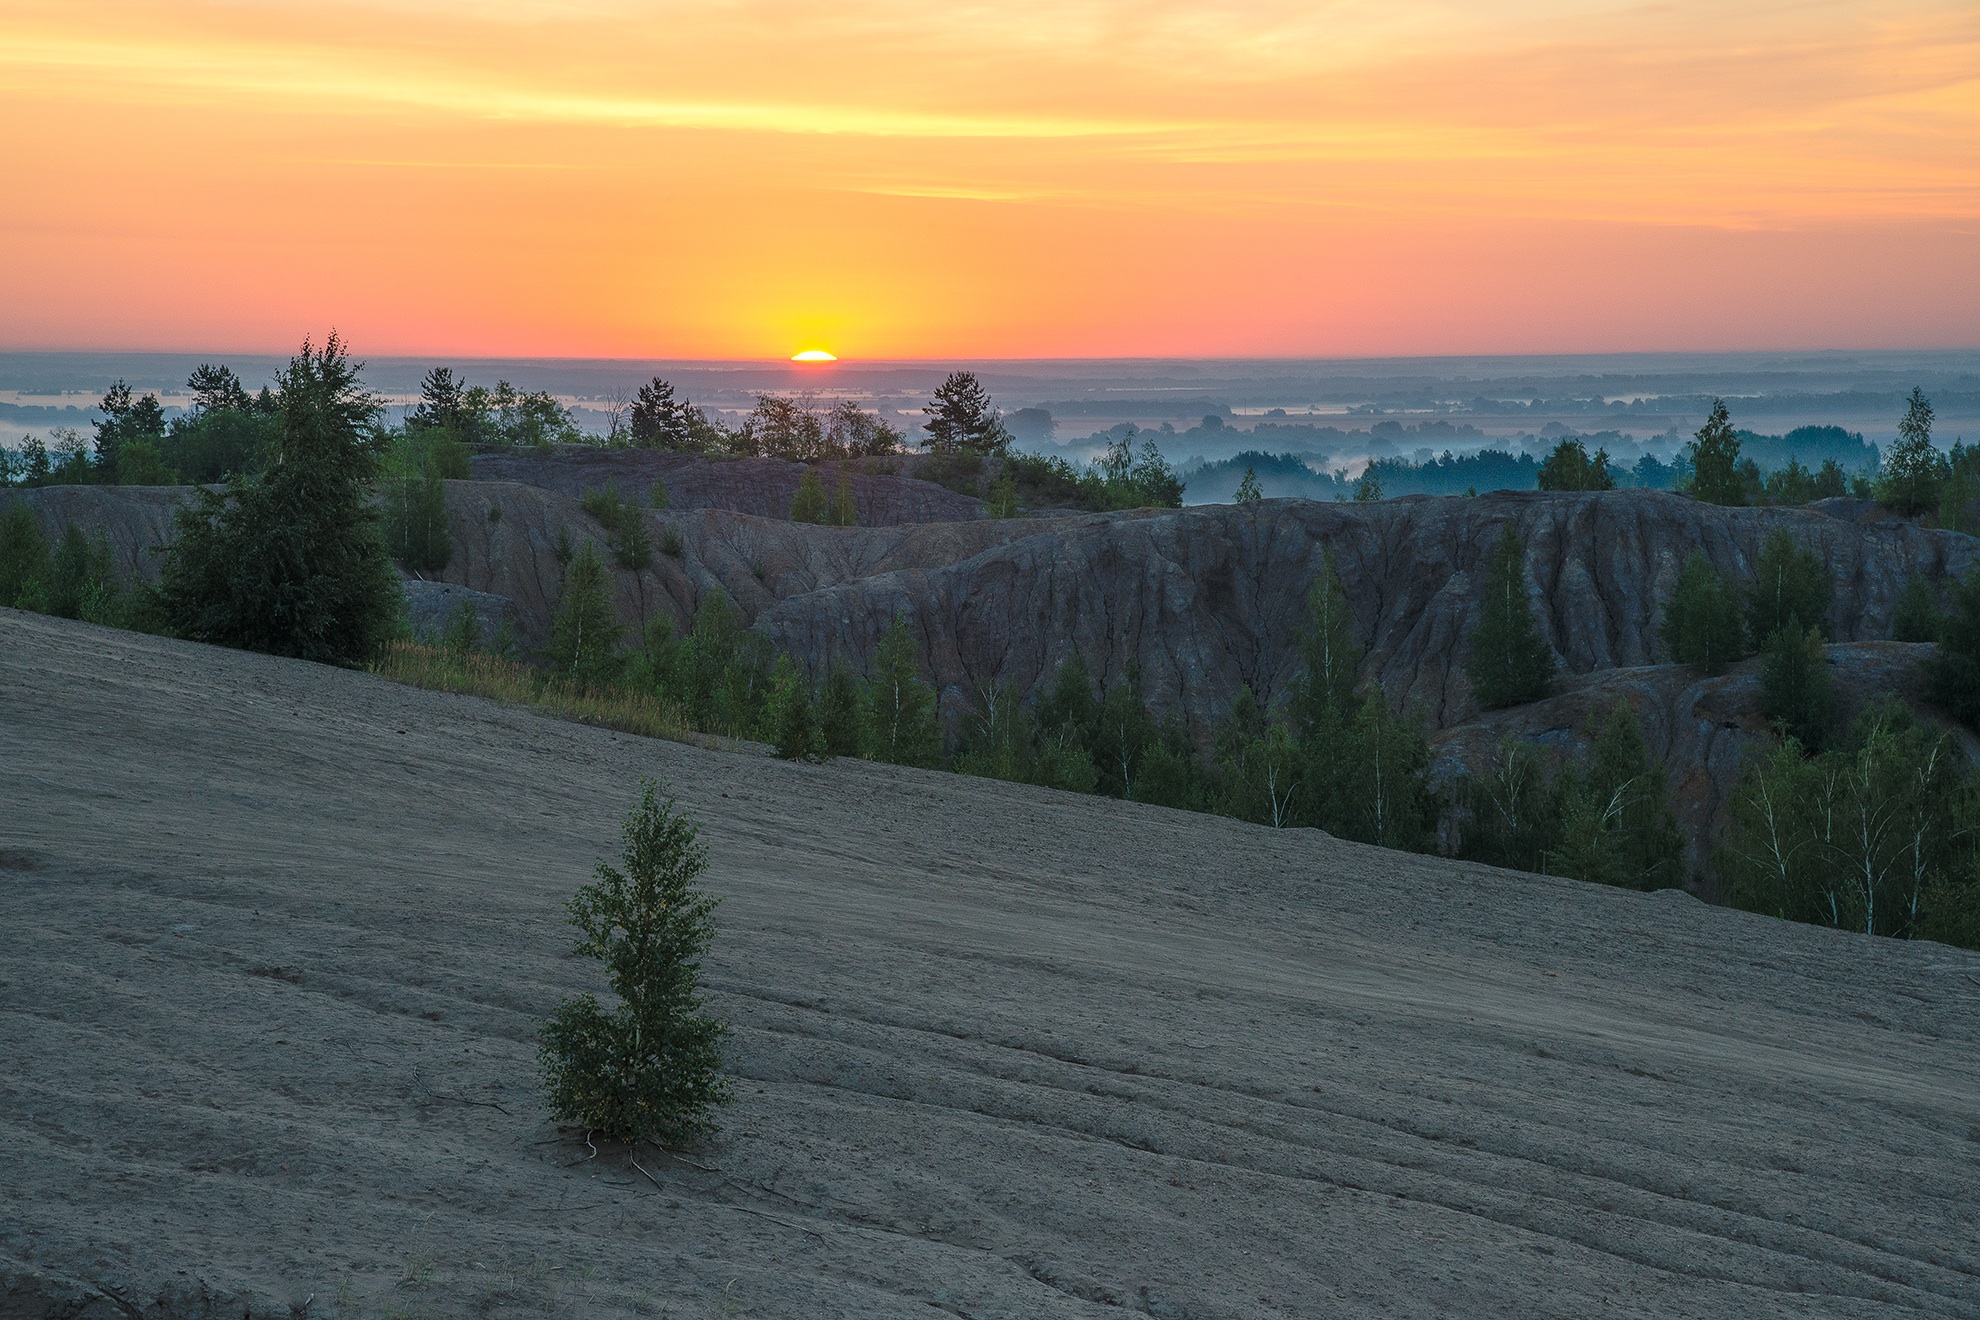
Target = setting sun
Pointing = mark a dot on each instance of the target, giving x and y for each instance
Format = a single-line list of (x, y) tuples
[(813, 355)]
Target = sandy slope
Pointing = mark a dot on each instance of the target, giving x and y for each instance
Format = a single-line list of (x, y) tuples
[(274, 938)]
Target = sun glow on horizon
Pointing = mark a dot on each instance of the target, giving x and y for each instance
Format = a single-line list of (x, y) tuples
[(1099, 178)]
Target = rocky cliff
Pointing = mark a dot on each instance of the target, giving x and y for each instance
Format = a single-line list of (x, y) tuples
[(885, 493), (1201, 600)]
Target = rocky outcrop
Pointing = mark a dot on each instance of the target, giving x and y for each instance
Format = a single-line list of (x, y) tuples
[(1202, 600), (1703, 727), (765, 487)]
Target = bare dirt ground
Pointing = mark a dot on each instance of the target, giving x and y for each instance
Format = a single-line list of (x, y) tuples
[(274, 939)]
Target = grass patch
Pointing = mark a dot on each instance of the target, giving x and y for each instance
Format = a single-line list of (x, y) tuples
[(516, 684)]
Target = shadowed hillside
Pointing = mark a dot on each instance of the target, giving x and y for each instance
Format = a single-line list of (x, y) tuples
[(276, 938)]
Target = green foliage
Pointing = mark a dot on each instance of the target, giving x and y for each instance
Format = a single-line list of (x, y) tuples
[(1713, 454), (1606, 821), (462, 635), (1616, 826), (1788, 583), (843, 510), (1510, 662), (1259, 768), (1123, 733), (657, 497), (81, 582), (661, 420), (1917, 617), (415, 524), (227, 433), (585, 632), (1324, 696), (1952, 672), (1369, 488), (23, 556), (139, 463), (719, 673), (1702, 618), (842, 712), (671, 544), (1875, 836), (649, 1069), (901, 708), (289, 561), (810, 504), (1570, 468), (1913, 470), (1003, 498), (1511, 814), (1796, 693), (626, 533), (794, 714), (961, 419), (1248, 491), (1795, 484), (126, 420)]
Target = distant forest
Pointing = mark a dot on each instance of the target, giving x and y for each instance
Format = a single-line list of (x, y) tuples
[(1313, 476)]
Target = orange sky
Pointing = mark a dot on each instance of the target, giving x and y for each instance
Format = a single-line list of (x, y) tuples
[(893, 178)]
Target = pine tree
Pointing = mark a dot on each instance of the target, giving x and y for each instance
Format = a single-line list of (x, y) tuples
[(1714, 458), (1510, 663), (901, 707), (1952, 672), (1248, 491), (1570, 468), (1788, 583), (585, 631), (649, 1070), (290, 561), (844, 512), (1324, 695), (841, 712), (810, 504), (794, 714), (1702, 618), (23, 554), (1913, 469), (1916, 617), (1796, 693), (961, 419)]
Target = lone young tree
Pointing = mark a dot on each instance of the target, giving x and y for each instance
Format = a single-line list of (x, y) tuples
[(1510, 662), (290, 561), (1714, 455), (1913, 469), (1248, 491), (649, 1069), (961, 419), (1701, 619)]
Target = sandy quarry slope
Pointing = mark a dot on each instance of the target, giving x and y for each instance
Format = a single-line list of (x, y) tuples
[(274, 938)]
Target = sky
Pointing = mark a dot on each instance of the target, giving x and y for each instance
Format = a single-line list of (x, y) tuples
[(1018, 179)]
